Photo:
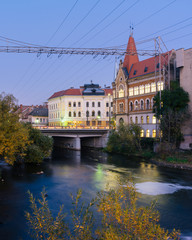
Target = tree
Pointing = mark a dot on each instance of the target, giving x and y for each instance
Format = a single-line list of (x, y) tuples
[(171, 108), (125, 140), (13, 135), (40, 146), (121, 218)]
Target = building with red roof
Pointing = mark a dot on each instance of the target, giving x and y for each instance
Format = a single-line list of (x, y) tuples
[(136, 83), (87, 106)]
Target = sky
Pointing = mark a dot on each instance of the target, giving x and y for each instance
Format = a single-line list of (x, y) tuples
[(33, 79)]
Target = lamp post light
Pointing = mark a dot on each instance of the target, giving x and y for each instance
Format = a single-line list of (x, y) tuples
[(109, 95)]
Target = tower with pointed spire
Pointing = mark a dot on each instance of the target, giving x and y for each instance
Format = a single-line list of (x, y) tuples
[(135, 86)]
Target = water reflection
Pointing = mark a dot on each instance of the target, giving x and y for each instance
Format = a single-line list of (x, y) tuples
[(92, 171)]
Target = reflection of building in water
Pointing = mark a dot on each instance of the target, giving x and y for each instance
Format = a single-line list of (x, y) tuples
[(89, 105)]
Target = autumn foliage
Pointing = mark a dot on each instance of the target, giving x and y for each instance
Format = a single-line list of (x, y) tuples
[(121, 218)]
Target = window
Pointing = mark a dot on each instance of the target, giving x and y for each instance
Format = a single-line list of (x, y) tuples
[(157, 65), (154, 120), (131, 106), (99, 104), (131, 120), (141, 89), (79, 114), (99, 114), (87, 104), (147, 104), (69, 114), (148, 133), (142, 104), (121, 107), (130, 91), (99, 123), (121, 91), (136, 105), (69, 104), (111, 104), (145, 69), (79, 104), (43, 119), (107, 114), (141, 119), (93, 104), (147, 119), (153, 87), (135, 71), (93, 123), (160, 86), (142, 133), (74, 104), (87, 113), (111, 113), (107, 104), (93, 113), (40, 119), (136, 120), (136, 90), (154, 133), (147, 88), (74, 114)]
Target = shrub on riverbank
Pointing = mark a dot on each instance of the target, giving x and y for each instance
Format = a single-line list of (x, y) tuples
[(121, 218), (126, 140)]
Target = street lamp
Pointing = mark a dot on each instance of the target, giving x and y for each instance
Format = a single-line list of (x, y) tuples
[(109, 95)]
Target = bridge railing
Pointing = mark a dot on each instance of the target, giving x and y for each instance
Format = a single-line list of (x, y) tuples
[(72, 127)]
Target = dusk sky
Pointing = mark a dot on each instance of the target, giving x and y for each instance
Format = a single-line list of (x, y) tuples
[(81, 23)]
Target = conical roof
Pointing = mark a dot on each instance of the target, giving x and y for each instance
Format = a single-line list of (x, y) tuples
[(132, 56)]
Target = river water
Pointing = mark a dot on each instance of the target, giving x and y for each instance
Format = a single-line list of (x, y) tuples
[(68, 171)]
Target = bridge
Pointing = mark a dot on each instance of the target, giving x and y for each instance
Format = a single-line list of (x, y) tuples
[(76, 138)]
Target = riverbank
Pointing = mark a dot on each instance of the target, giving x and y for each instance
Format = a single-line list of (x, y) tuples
[(184, 166)]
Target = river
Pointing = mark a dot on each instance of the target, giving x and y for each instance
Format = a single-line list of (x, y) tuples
[(91, 170)]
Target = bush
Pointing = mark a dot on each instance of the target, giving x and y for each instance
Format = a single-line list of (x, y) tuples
[(121, 218)]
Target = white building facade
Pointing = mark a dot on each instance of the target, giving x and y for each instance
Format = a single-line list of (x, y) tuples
[(88, 106)]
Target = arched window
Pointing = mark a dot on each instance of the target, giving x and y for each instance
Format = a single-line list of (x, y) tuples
[(141, 89), (147, 119), (154, 120), (131, 106), (121, 120), (121, 107), (87, 113), (74, 104), (153, 87), (136, 120), (107, 114), (79, 104), (142, 104), (141, 119), (154, 133), (99, 104), (87, 104), (121, 91), (79, 114), (69, 114), (147, 104), (142, 133), (160, 86), (93, 104), (136, 105), (99, 114), (131, 120), (148, 133), (74, 114), (69, 104), (147, 88), (93, 113)]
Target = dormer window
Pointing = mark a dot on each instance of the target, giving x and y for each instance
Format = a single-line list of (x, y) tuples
[(146, 69), (135, 71)]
